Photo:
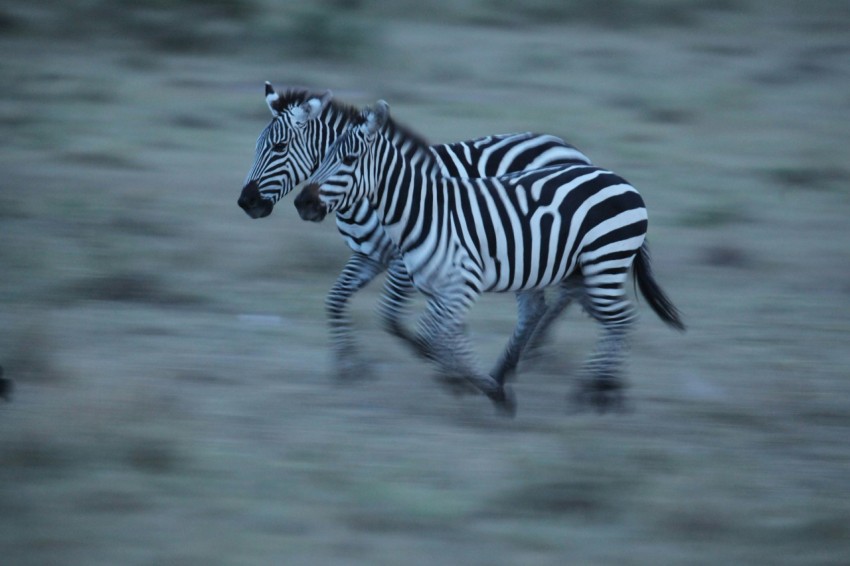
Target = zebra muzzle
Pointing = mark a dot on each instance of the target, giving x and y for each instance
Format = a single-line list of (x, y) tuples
[(253, 203), (309, 205)]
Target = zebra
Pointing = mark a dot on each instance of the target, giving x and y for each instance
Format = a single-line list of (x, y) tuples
[(578, 227), (303, 126)]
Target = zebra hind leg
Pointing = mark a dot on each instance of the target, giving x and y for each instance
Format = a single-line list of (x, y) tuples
[(358, 271), (531, 306), (601, 385), (566, 293)]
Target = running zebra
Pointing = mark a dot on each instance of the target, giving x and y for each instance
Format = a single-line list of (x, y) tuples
[(573, 226), (289, 149)]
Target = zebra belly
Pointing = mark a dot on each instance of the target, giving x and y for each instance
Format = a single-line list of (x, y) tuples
[(441, 270)]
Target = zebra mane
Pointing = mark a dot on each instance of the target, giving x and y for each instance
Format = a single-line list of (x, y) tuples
[(296, 96), (412, 144)]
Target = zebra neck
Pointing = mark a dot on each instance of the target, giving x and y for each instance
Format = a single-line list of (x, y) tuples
[(408, 189), (336, 118), (323, 133)]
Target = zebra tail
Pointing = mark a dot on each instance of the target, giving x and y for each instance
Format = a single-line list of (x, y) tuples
[(652, 292)]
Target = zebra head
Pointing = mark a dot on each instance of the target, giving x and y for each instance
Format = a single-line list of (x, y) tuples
[(344, 177), (285, 155)]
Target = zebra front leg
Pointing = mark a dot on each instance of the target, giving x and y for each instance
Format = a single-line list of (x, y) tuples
[(453, 353), (429, 330), (398, 293), (531, 306), (358, 271)]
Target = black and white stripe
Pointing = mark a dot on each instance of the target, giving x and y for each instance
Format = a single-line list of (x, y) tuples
[(290, 148), (575, 226)]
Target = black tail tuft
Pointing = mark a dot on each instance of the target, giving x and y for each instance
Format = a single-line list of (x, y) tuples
[(656, 298)]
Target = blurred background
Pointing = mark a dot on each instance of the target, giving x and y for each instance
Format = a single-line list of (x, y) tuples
[(174, 403)]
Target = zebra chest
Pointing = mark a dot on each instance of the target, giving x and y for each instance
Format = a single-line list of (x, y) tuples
[(364, 234)]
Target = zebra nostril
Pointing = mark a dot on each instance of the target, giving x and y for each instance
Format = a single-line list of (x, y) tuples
[(250, 196)]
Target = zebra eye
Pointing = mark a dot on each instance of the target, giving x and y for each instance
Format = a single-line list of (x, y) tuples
[(279, 147), (349, 159)]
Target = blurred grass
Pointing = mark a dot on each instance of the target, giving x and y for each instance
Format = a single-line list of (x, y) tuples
[(331, 30), (619, 14), (810, 178), (173, 401), (32, 354), (161, 25)]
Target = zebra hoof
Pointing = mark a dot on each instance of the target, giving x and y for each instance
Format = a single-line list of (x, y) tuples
[(504, 401), (503, 373), (602, 395), (353, 369)]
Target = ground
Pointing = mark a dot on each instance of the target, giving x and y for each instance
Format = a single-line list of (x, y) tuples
[(173, 398)]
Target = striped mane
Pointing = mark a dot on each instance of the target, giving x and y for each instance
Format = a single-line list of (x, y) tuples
[(412, 144), (297, 96)]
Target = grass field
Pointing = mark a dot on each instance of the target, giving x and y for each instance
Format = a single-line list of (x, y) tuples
[(174, 403)]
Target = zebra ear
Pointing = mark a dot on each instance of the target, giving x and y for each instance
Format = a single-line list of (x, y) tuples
[(271, 98), (382, 112), (315, 105), (376, 117)]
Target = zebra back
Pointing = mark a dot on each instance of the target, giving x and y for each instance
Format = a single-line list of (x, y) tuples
[(492, 156)]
